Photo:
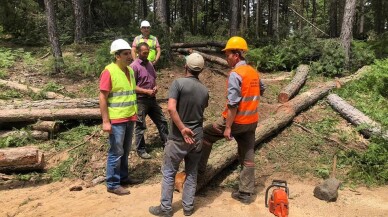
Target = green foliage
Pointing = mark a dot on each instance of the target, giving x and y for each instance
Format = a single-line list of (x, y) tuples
[(73, 137), (332, 59), (7, 57), (6, 93), (62, 170), (370, 166), (369, 94), (16, 141), (361, 55), (301, 47), (25, 20), (53, 87), (380, 45)]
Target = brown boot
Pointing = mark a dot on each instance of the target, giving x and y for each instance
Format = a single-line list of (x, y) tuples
[(119, 191)]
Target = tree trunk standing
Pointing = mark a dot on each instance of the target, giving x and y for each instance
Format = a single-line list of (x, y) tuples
[(301, 12), (53, 35), (333, 18), (195, 20), (314, 12), (258, 19), (79, 16), (275, 18), (362, 18), (247, 15), (161, 16), (347, 27), (269, 19), (378, 16), (233, 17)]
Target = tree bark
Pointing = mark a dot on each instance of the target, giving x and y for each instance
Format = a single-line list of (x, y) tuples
[(347, 27), (17, 115), (79, 16), (35, 134), (27, 89), (223, 155), (362, 18), (356, 117), (188, 45), (208, 57), (233, 17), (333, 14), (21, 159), (52, 104), (297, 82), (53, 35), (47, 126)]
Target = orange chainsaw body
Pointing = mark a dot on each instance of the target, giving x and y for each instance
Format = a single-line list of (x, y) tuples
[(278, 202)]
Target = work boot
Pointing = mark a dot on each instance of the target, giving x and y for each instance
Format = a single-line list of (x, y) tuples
[(130, 181), (157, 210), (188, 212), (243, 197), (119, 191), (144, 155)]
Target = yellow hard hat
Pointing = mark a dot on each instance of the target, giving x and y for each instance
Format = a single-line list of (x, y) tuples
[(236, 43)]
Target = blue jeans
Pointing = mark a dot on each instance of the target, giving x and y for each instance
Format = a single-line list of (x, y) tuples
[(174, 153), (117, 163)]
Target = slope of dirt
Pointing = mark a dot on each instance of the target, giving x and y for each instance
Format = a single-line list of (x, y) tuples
[(56, 200)]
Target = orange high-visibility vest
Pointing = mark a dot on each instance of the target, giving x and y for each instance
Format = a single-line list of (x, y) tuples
[(247, 111)]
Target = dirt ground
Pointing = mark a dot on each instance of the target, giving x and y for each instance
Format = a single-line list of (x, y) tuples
[(55, 199)]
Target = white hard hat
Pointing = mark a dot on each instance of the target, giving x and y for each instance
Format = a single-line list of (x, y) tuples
[(119, 44), (145, 23), (195, 62)]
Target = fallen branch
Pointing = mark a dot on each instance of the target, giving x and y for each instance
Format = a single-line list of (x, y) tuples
[(356, 117), (27, 89), (208, 57), (297, 82)]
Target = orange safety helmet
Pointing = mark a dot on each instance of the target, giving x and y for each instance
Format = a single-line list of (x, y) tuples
[(236, 43)]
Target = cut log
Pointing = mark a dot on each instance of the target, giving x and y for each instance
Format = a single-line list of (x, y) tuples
[(27, 89), (52, 104), (80, 103), (224, 155), (297, 82), (208, 57), (21, 159), (187, 45), (35, 134), (216, 44), (47, 126), (356, 117), (17, 115)]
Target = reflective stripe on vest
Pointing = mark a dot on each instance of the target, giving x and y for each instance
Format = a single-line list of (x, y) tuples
[(248, 108), (151, 41), (122, 98)]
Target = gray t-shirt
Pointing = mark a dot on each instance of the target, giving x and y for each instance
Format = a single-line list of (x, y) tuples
[(192, 99)]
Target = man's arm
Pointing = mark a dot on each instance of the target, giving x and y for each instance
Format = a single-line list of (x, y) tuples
[(186, 132), (158, 51), (150, 92), (232, 111), (103, 98)]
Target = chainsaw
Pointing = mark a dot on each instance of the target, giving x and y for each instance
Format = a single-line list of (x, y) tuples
[(278, 203)]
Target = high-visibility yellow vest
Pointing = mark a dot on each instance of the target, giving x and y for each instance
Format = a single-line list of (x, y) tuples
[(151, 41), (248, 108), (122, 98)]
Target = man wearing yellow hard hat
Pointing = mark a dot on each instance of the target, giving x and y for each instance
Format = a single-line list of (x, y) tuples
[(240, 117)]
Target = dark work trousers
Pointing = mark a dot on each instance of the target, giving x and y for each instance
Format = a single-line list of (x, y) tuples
[(244, 134), (149, 106)]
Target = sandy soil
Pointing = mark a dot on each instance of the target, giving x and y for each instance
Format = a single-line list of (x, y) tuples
[(56, 200)]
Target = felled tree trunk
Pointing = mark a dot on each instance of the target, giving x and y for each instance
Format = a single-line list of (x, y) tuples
[(223, 155), (35, 134), (27, 89), (208, 57), (297, 82), (52, 104), (21, 159), (17, 115), (188, 45), (47, 126), (356, 117)]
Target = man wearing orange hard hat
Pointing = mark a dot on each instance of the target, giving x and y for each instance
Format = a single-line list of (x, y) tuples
[(240, 117)]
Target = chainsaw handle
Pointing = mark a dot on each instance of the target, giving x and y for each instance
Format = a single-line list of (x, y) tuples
[(275, 183)]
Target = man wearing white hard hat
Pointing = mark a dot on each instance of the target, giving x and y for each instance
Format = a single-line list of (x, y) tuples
[(188, 98), (151, 40), (118, 111)]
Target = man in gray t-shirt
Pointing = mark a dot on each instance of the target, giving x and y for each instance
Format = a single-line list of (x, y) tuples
[(188, 98)]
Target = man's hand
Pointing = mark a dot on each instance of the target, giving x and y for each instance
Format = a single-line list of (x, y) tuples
[(188, 135), (107, 127), (155, 89), (227, 133)]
